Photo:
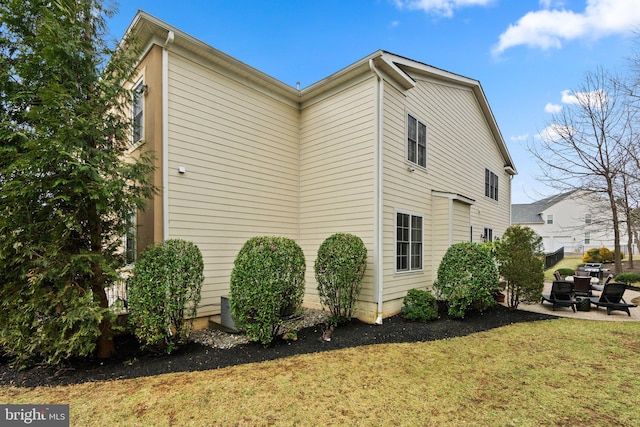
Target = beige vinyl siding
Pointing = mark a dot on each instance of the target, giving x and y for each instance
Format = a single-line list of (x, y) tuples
[(336, 174), (461, 222), (460, 146), (404, 191), (239, 148)]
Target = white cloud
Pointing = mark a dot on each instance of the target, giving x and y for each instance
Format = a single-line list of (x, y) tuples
[(552, 108), (594, 99), (552, 133), (439, 7), (549, 28), (519, 138)]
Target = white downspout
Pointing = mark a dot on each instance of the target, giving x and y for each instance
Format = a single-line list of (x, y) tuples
[(165, 135), (378, 190)]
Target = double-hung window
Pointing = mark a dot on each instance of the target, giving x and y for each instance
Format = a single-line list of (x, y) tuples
[(587, 218), (408, 242), (490, 184), (416, 141), (138, 92)]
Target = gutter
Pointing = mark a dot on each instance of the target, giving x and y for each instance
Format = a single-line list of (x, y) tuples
[(165, 134), (378, 191)]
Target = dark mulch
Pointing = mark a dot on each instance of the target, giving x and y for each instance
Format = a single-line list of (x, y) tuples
[(131, 362)]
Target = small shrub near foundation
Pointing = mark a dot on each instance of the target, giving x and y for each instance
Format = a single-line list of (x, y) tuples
[(419, 306)]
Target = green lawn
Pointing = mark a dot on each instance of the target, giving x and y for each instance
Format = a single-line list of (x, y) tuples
[(561, 372), (569, 261)]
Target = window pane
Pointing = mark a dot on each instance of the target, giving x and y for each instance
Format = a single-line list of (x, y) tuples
[(495, 186), (422, 145), (412, 139), (137, 112), (416, 242), (402, 259), (402, 242), (487, 191)]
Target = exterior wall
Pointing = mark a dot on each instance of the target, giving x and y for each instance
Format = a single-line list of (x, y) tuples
[(240, 150), (460, 146), (337, 175), (260, 158), (149, 221), (569, 227)]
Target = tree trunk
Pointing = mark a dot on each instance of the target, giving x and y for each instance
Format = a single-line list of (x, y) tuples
[(105, 345)]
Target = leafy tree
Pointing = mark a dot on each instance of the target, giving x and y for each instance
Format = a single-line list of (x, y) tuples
[(65, 189), (521, 262)]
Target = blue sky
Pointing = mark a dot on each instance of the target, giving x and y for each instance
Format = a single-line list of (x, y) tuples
[(525, 53)]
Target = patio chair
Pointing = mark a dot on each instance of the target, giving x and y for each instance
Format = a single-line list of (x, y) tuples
[(557, 275), (561, 295), (611, 298), (582, 286)]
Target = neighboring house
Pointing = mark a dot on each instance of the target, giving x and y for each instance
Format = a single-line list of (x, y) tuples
[(573, 220), (406, 156)]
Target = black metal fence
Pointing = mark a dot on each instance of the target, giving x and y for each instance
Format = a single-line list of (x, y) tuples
[(553, 258)]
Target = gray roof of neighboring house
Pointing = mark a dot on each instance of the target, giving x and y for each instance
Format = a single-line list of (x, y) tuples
[(531, 213)]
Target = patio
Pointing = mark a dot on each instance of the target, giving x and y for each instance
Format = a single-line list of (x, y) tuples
[(594, 313)]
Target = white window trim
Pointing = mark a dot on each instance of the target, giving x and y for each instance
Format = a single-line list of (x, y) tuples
[(484, 234), (406, 139), (395, 242), (139, 84), (497, 186)]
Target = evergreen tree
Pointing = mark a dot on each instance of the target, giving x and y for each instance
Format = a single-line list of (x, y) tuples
[(521, 263), (65, 187)]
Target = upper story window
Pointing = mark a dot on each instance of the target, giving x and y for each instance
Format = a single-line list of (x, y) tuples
[(416, 141), (587, 238), (408, 242), (137, 110), (587, 218), (549, 219), (490, 184)]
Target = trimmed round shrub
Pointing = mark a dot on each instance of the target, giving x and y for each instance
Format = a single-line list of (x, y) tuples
[(267, 283), (419, 305), (164, 292), (339, 269), (467, 278)]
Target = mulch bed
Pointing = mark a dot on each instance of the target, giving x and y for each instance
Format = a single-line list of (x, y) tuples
[(131, 362)]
